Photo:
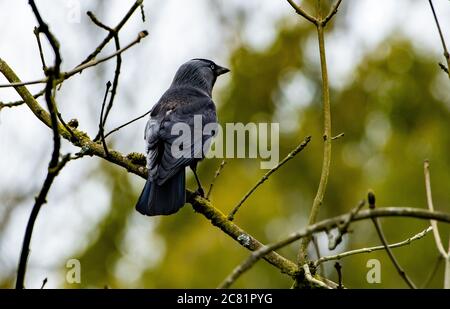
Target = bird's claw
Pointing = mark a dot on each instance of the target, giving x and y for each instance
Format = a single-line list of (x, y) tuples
[(200, 192)]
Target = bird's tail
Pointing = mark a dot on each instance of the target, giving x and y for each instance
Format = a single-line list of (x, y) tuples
[(165, 199)]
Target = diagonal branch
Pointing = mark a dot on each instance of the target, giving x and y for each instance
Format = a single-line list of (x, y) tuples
[(216, 175), (110, 34), (333, 12), (400, 270), (79, 69), (302, 12), (266, 176), (372, 249), (441, 36)]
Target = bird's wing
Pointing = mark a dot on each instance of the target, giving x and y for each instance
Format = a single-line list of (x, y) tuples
[(179, 149)]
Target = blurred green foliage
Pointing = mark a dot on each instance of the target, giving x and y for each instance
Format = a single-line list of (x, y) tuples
[(394, 115)]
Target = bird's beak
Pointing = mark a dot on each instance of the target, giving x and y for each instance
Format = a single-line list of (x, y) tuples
[(221, 70)]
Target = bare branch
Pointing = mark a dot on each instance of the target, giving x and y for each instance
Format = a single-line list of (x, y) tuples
[(333, 12), (127, 123), (302, 12), (327, 137), (437, 237), (101, 124), (217, 174), (338, 268), (266, 176), (41, 53), (444, 46), (33, 82), (94, 62), (343, 229), (372, 249), (110, 34), (20, 102), (66, 75), (54, 165)]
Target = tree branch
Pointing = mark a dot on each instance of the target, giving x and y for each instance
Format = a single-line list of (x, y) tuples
[(302, 12), (318, 199), (437, 237), (372, 249), (216, 175), (54, 165), (110, 34), (330, 15), (266, 176), (444, 46)]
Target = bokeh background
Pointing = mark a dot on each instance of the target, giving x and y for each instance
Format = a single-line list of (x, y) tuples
[(388, 95)]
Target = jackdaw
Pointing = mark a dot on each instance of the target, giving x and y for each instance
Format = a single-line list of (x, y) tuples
[(188, 98)]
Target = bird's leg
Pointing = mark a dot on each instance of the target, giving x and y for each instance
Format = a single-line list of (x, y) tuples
[(200, 188)]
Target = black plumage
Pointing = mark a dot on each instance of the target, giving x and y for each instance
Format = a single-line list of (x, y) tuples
[(188, 96)]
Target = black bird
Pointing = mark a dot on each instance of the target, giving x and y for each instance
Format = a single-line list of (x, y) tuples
[(189, 95)]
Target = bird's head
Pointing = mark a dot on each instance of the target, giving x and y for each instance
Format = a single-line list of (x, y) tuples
[(201, 73)]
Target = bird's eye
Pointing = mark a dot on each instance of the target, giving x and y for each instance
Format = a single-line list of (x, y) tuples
[(213, 67)]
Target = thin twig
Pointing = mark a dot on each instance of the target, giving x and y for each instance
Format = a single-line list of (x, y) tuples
[(337, 136), (397, 266), (41, 53), (33, 82), (115, 80), (437, 237), (44, 282), (338, 268), (433, 272), (216, 175), (116, 72), (372, 249), (54, 165), (266, 176), (66, 75), (302, 12), (127, 123), (447, 269), (444, 46), (110, 34), (101, 129), (20, 102), (317, 249), (343, 229), (94, 62), (330, 15), (95, 20)]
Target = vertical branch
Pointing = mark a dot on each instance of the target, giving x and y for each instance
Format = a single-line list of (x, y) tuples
[(441, 36), (101, 124), (54, 165), (437, 236), (326, 148), (447, 269)]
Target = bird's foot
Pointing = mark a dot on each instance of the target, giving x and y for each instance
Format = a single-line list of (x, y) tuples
[(200, 192)]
